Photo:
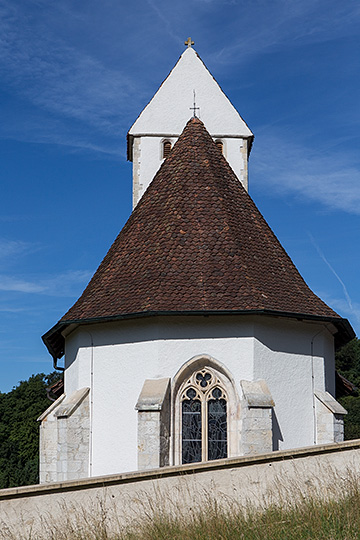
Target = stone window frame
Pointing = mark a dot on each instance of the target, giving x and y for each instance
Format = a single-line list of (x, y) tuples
[(226, 382), (203, 394)]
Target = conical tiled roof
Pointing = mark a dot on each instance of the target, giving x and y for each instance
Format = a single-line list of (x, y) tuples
[(195, 243)]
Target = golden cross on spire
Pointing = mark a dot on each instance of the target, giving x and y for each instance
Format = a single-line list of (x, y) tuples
[(188, 42)]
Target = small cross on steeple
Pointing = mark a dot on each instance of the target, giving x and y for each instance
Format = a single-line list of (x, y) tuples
[(188, 42), (194, 108)]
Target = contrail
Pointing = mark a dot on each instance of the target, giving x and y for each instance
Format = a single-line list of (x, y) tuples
[(348, 299)]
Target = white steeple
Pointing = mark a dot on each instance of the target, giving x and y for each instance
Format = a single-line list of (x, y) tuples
[(164, 118)]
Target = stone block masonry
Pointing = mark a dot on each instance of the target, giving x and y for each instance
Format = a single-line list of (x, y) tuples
[(256, 427), (65, 438), (329, 418), (153, 408)]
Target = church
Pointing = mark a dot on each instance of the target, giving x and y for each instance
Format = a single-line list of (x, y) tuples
[(197, 338)]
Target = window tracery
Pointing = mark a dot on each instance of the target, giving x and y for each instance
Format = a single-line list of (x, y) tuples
[(203, 417)]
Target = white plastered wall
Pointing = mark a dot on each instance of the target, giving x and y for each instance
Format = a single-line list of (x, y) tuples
[(294, 359), (115, 359)]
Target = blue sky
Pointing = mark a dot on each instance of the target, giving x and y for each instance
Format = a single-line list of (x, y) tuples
[(73, 78)]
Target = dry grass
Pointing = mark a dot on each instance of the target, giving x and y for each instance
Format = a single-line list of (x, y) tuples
[(327, 515), (305, 519)]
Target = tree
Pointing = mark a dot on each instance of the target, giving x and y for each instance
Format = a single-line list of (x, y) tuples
[(348, 361), (19, 430), (348, 364)]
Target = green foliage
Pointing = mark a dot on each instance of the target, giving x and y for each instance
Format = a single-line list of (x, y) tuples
[(348, 361), (348, 365), (352, 419), (19, 430)]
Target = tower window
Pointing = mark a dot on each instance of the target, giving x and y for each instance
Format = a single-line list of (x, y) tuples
[(166, 149), (203, 418), (220, 145)]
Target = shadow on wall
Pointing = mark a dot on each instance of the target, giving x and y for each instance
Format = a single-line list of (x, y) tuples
[(276, 432), (156, 328), (293, 337)]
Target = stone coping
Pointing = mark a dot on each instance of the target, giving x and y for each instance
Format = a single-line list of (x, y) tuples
[(178, 470)]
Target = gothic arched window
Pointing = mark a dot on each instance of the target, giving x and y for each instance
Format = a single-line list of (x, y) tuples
[(203, 417), (166, 149)]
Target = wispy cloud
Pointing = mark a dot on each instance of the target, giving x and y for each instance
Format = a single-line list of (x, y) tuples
[(9, 283), (47, 130), (11, 248), (10, 309), (58, 77), (66, 81), (66, 284), (288, 22), (324, 177), (154, 5)]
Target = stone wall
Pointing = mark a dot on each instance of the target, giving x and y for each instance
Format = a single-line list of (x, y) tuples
[(153, 408), (329, 418), (65, 438), (256, 416), (137, 186), (124, 499)]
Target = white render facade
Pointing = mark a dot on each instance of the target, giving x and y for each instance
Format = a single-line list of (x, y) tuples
[(112, 361)]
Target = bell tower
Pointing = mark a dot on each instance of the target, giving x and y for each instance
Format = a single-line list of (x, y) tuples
[(189, 89)]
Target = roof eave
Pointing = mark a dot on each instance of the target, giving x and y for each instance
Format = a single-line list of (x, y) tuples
[(55, 341)]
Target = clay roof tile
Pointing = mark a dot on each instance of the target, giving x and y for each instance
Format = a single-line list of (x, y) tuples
[(196, 242)]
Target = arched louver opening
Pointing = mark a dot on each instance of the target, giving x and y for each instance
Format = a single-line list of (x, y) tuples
[(220, 145), (166, 149)]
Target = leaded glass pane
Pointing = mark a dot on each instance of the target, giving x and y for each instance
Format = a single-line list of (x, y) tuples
[(217, 427), (191, 430)]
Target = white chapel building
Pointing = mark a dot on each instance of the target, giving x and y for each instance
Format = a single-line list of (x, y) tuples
[(196, 339)]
